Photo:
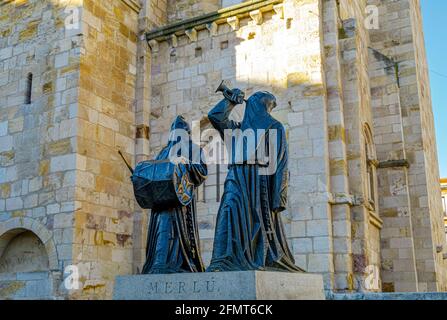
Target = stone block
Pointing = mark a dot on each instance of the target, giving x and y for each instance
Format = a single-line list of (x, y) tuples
[(5, 53), (35, 184), (27, 276), (53, 208), (302, 245), (319, 262), (31, 201), (296, 119), (298, 228), (3, 128), (246, 285), (322, 244), (6, 143), (316, 228), (14, 204), (63, 163), (63, 220)]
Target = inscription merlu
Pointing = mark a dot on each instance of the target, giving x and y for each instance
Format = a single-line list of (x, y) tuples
[(170, 287)]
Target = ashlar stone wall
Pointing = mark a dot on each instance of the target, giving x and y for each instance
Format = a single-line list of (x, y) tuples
[(60, 168), (38, 159)]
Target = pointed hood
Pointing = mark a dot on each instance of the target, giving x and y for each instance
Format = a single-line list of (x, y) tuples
[(257, 115)]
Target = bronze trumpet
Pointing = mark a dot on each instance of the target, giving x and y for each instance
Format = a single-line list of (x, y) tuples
[(227, 92)]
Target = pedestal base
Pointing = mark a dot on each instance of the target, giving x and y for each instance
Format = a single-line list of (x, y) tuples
[(245, 285)]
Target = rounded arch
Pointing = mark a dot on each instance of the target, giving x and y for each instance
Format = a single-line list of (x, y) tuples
[(15, 226)]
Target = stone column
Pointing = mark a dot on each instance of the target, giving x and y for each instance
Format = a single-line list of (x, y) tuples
[(104, 216), (365, 223), (341, 210)]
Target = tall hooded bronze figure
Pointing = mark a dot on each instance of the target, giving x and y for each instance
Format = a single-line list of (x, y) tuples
[(249, 231), (173, 239)]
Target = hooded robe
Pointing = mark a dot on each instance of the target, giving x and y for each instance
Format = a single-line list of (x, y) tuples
[(249, 231), (173, 239)]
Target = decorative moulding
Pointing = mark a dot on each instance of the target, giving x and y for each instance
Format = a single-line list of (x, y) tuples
[(256, 16), (174, 41), (279, 10), (192, 34), (212, 28), (154, 45), (230, 15), (233, 22)]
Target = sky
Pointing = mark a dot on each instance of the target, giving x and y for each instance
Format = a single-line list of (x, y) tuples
[(435, 29)]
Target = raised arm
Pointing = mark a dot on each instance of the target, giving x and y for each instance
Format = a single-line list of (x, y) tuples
[(219, 117)]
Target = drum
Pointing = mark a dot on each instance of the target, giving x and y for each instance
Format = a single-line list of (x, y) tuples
[(160, 184)]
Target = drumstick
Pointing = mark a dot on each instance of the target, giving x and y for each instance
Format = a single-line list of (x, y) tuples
[(125, 161)]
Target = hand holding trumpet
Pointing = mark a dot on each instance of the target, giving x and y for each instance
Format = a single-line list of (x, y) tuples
[(235, 96)]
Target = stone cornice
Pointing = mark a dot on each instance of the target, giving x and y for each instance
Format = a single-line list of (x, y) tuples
[(402, 163), (217, 17)]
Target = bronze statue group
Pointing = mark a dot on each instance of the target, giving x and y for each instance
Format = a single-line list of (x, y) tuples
[(249, 232)]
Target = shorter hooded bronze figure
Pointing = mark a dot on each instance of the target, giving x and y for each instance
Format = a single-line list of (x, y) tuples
[(173, 240)]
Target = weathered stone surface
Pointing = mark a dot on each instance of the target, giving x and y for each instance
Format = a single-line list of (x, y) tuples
[(249, 285), (27, 286)]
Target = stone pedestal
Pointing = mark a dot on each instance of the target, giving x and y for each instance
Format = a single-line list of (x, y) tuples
[(246, 285)]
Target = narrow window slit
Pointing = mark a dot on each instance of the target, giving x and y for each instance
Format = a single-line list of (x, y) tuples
[(29, 88)]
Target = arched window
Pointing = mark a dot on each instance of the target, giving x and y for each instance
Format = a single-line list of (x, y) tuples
[(371, 166), (29, 88)]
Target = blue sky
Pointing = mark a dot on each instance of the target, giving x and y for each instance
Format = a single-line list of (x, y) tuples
[(434, 14)]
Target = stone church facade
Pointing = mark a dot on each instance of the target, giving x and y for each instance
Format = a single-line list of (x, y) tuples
[(82, 79)]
